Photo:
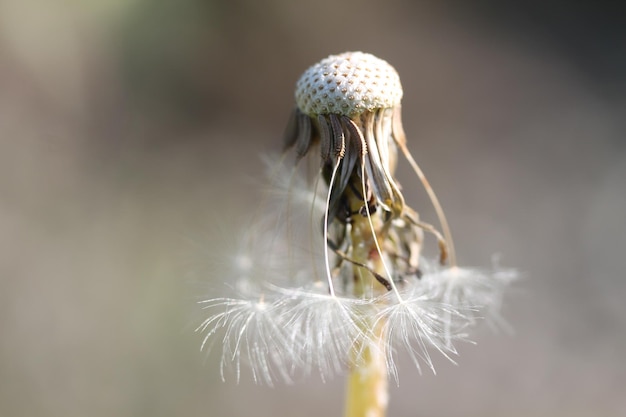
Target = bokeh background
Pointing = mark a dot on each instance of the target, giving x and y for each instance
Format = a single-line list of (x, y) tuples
[(130, 136)]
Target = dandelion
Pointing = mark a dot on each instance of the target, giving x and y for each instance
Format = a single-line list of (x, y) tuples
[(345, 286)]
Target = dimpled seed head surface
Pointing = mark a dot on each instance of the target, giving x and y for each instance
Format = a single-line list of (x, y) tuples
[(348, 84)]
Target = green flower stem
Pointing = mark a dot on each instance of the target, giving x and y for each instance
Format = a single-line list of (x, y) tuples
[(367, 386), (367, 391)]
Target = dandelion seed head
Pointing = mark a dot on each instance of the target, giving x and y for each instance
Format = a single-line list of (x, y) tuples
[(348, 84), (330, 275)]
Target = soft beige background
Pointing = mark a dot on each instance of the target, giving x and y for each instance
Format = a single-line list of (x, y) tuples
[(130, 135)]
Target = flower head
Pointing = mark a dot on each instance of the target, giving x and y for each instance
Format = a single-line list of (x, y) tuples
[(348, 84), (350, 104), (325, 297)]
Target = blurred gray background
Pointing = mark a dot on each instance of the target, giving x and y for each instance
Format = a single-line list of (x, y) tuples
[(129, 134)]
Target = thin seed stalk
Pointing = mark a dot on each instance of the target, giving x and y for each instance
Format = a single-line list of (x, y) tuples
[(367, 390)]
